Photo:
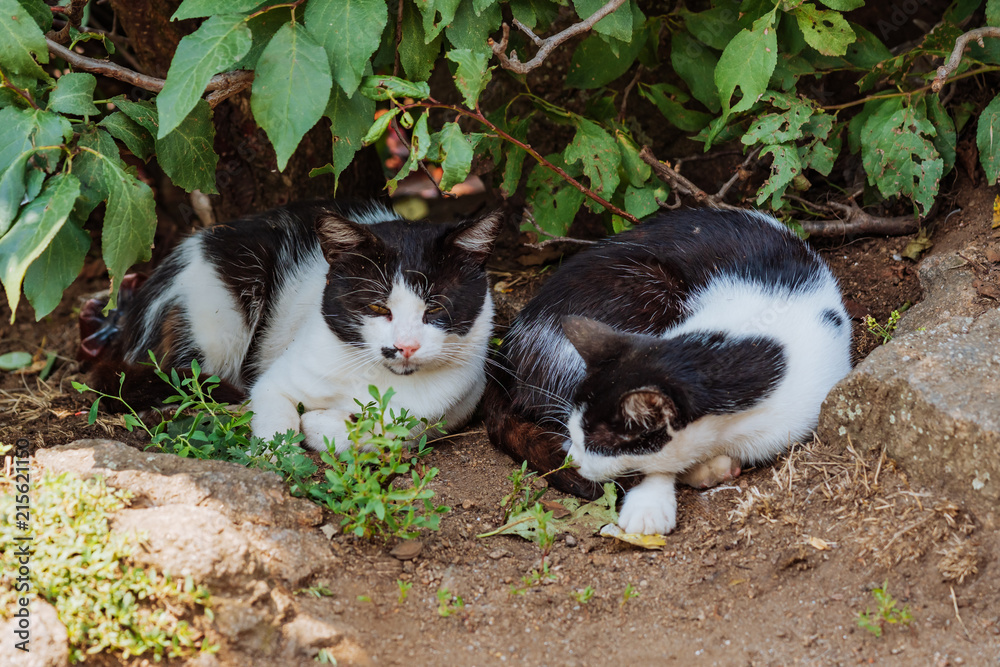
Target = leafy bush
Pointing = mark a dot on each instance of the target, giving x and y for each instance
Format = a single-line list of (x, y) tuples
[(360, 483), (84, 570), (778, 76)]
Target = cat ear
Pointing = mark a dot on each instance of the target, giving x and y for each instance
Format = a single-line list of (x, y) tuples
[(594, 340), (649, 408), (338, 235), (476, 237)]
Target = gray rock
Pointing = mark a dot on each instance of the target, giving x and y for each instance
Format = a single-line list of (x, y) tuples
[(291, 555), (48, 643), (931, 396), (241, 494)]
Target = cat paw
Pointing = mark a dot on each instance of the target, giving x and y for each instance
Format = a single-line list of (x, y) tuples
[(714, 471), (320, 426), (648, 511)]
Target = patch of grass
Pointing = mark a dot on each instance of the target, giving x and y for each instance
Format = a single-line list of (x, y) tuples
[(525, 495), (887, 612), (84, 571), (533, 578), (583, 596), (404, 590), (377, 484), (318, 591), (449, 604)]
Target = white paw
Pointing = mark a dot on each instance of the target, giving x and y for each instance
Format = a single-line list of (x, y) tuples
[(649, 509), (318, 426), (709, 473)]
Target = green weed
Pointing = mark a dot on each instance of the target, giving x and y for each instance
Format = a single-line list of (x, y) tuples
[(449, 604), (584, 596), (883, 332), (524, 495), (629, 593), (533, 578), (404, 590), (318, 591), (886, 612)]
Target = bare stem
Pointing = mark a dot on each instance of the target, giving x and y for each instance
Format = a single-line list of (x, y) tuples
[(679, 183), (955, 59), (73, 13), (545, 46)]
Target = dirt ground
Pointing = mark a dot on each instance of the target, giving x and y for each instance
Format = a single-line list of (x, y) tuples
[(771, 570)]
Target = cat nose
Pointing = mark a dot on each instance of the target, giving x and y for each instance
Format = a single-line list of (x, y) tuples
[(407, 349)]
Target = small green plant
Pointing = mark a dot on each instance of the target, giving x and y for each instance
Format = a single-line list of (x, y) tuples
[(533, 578), (404, 590), (449, 604), (318, 591), (361, 482), (84, 570), (325, 657), (629, 593), (879, 331), (583, 596), (524, 495), (886, 611)]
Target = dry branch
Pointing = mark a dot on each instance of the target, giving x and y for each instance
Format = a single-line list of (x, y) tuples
[(221, 85), (955, 59), (855, 222), (545, 46), (682, 185)]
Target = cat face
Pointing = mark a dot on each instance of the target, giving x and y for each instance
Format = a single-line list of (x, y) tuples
[(408, 293), (623, 414)]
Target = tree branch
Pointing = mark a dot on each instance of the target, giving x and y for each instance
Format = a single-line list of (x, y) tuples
[(221, 85), (73, 14), (553, 239), (955, 59), (856, 222), (682, 185), (545, 46)]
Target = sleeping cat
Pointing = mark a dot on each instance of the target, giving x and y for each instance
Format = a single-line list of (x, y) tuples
[(696, 343), (310, 304)]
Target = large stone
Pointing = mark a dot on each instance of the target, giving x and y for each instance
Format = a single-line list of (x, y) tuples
[(48, 644), (931, 396), (241, 494)]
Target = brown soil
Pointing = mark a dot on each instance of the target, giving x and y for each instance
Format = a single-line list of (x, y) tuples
[(777, 581)]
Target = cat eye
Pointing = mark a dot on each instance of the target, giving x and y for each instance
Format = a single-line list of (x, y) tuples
[(379, 310)]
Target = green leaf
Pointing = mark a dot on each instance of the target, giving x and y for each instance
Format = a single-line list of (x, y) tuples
[(993, 13), (263, 27), (14, 360), (779, 128), (187, 153), (747, 64), (456, 156), (662, 95), (896, 155), (129, 132), (56, 268), (350, 32), (192, 9), (142, 112), (988, 140), (598, 153), (636, 170), (553, 201), (784, 167), (74, 95), (826, 31), (291, 89), (20, 37), (214, 47), (382, 87), (844, 5), (471, 28), (594, 63), (379, 127), (617, 24), (641, 202), (350, 119), (946, 139), (867, 51), (32, 232), (420, 143), (471, 75), (714, 27), (24, 129), (514, 155), (437, 14), (12, 190), (695, 63), (39, 11), (415, 54)]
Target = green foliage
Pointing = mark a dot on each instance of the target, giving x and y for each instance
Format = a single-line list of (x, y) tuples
[(404, 590), (629, 593), (449, 604), (880, 331), (583, 596), (757, 71), (887, 612), (85, 571), (532, 579), (377, 483)]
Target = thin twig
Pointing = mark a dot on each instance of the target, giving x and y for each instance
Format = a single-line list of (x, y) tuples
[(545, 46), (955, 59), (230, 82), (553, 239), (626, 91), (420, 163), (73, 14), (680, 184), (396, 65), (740, 174), (954, 602)]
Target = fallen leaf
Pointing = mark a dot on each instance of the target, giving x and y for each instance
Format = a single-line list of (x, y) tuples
[(917, 246), (558, 510), (15, 360), (407, 550), (987, 289), (993, 255), (996, 213), (644, 541), (580, 519)]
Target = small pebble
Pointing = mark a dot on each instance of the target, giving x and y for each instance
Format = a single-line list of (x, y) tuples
[(571, 541)]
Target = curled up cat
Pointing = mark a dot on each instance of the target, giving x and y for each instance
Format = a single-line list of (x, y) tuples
[(309, 305), (695, 344)]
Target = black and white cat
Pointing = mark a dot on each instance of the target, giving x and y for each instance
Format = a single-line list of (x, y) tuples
[(698, 342), (310, 304)]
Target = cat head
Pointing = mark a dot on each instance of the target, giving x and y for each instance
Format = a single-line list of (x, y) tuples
[(411, 294), (624, 407)]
